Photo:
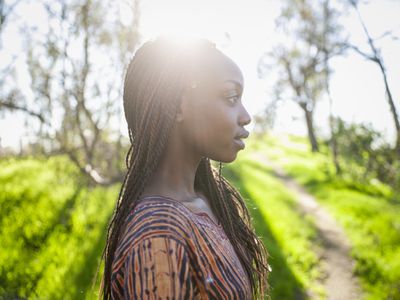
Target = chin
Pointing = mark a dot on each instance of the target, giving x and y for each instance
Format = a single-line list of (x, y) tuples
[(224, 154), (225, 158)]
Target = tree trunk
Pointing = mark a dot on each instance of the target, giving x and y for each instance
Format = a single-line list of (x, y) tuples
[(334, 147), (310, 128)]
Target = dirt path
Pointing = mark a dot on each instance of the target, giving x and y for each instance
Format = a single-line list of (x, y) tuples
[(337, 264)]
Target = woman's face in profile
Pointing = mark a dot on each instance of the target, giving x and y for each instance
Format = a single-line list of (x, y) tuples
[(213, 112)]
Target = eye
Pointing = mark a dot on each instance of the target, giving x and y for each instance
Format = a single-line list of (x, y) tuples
[(233, 99)]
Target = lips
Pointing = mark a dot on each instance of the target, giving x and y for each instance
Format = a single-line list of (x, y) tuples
[(239, 143), (242, 135), (238, 138)]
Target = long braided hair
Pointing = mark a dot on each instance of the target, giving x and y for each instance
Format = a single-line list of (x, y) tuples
[(153, 86)]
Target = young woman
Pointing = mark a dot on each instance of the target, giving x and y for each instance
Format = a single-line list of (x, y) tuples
[(180, 230)]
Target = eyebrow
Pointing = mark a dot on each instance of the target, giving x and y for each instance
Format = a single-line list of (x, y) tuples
[(238, 85)]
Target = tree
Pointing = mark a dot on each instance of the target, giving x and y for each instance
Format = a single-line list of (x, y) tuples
[(302, 59), (330, 44), (375, 56), (76, 69), (10, 97)]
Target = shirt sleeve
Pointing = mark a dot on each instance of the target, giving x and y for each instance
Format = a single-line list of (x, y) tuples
[(158, 268)]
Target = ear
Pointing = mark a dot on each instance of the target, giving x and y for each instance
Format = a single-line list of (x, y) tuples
[(181, 108), (184, 102)]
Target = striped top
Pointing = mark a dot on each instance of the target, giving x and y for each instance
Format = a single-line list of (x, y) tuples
[(168, 251)]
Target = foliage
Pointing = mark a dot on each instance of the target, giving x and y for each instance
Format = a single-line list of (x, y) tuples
[(74, 59), (365, 156)]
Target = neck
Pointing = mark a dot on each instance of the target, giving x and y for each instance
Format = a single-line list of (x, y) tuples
[(175, 175)]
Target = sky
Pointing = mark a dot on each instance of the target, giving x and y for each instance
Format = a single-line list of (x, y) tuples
[(357, 87)]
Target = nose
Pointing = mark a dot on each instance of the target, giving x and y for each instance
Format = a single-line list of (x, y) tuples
[(244, 117)]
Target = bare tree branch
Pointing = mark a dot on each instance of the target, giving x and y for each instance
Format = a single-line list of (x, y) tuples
[(5, 12), (376, 57), (362, 53), (12, 106)]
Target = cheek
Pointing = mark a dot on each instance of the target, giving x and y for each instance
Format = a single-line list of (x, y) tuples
[(215, 127)]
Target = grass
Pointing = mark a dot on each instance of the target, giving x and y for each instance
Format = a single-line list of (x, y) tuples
[(52, 229), (368, 214), (287, 235)]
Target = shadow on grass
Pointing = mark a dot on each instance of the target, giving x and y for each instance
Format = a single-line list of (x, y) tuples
[(282, 281), (84, 279)]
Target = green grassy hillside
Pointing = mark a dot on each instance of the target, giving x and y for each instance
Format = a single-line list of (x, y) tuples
[(52, 229), (369, 214), (53, 226)]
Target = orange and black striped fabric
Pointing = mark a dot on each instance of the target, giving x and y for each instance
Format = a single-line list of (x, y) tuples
[(168, 251)]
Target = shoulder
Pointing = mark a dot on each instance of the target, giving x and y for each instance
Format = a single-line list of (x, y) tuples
[(153, 256), (155, 218)]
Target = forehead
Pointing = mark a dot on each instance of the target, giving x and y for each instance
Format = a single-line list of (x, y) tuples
[(218, 69)]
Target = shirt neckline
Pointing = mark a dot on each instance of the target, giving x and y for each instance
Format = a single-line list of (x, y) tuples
[(199, 213)]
